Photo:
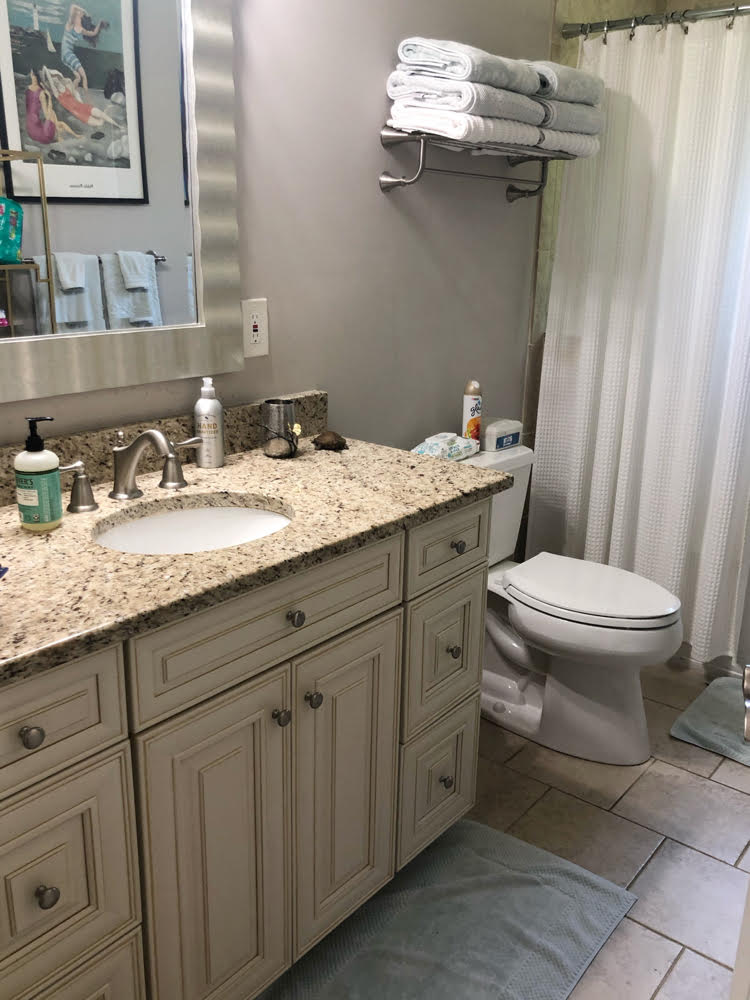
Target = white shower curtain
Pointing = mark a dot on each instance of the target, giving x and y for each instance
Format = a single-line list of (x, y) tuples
[(643, 433)]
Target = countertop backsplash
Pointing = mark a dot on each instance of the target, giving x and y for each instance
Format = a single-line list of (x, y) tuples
[(242, 430)]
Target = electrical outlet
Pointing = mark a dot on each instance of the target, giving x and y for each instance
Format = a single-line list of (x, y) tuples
[(255, 327)]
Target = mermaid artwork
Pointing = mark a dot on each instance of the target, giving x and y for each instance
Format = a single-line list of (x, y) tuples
[(42, 124), (78, 28)]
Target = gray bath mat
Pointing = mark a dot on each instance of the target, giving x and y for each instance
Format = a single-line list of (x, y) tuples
[(479, 915), (716, 720)]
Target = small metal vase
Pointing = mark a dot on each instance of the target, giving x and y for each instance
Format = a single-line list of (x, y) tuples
[(278, 423)]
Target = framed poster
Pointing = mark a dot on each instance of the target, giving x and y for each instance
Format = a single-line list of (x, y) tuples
[(70, 89)]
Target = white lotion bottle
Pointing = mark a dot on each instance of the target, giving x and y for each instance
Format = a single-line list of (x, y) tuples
[(38, 489), (209, 424)]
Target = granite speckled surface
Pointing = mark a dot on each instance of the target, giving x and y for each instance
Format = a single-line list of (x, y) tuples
[(65, 596), (242, 431)]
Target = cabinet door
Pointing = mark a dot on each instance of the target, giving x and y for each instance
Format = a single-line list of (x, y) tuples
[(215, 801), (345, 738)]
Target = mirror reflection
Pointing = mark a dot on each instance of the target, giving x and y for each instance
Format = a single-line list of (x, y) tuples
[(93, 99)]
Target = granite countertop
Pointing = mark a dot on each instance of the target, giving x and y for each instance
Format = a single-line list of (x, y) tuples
[(65, 596)]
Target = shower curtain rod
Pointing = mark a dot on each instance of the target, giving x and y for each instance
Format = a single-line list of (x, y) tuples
[(684, 17)]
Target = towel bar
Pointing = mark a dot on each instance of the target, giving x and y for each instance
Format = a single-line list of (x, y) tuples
[(159, 258), (515, 155)]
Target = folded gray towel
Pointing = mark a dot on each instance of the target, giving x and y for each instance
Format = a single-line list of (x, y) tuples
[(569, 142), (566, 117), (456, 61), (461, 95), (562, 83)]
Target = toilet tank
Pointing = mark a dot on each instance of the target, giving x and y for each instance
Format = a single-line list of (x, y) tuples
[(507, 507)]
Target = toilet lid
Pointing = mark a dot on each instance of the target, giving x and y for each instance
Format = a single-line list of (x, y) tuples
[(590, 592)]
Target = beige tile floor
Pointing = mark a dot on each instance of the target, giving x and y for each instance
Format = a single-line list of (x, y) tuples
[(676, 831)]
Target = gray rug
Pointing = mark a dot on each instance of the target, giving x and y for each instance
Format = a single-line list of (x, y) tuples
[(716, 720), (478, 915)]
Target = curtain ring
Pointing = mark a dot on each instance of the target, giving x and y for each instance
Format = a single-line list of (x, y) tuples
[(586, 32), (684, 23), (606, 32), (633, 25), (664, 22), (733, 17)]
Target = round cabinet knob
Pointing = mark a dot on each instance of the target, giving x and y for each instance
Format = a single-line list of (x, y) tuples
[(47, 896), (314, 699), (297, 618), (32, 737), (283, 716), (455, 652), (447, 782), (459, 546)]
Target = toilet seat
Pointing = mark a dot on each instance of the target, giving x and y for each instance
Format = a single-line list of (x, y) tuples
[(589, 593)]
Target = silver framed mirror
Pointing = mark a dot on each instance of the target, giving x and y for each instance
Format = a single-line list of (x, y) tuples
[(70, 362)]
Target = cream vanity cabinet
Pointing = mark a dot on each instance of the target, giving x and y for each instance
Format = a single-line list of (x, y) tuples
[(292, 748)]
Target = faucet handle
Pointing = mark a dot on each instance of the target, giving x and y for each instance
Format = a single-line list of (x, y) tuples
[(172, 477), (81, 496)]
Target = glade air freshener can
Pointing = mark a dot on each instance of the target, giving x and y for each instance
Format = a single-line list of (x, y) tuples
[(471, 425)]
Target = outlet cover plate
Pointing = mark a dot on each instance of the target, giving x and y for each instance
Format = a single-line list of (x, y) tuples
[(255, 327)]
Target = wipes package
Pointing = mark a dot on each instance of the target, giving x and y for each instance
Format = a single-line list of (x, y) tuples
[(447, 445)]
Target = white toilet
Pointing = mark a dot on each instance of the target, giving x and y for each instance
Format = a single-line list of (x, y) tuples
[(566, 639)]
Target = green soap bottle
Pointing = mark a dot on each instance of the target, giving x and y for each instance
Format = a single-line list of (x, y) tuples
[(38, 490)]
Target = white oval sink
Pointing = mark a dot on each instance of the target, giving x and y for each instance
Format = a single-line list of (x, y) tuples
[(192, 529)]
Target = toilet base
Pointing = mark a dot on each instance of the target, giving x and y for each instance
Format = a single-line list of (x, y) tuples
[(593, 711), (584, 710)]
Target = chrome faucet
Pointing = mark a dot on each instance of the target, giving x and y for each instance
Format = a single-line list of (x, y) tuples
[(127, 457)]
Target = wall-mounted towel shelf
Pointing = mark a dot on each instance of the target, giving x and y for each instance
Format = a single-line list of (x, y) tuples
[(515, 156)]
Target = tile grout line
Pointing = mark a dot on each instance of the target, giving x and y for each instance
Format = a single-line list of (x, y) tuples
[(702, 954), (527, 811), (670, 970), (649, 764), (690, 847), (652, 857)]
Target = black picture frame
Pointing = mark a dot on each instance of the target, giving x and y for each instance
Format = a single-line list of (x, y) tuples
[(134, 110)]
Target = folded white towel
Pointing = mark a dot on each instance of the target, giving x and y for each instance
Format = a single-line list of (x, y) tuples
[(126, 308), (71, 270), (566, 117), (570, 142), (459, 125), (563, 83), (418, 91), (136, 269), (79, 309), (432, 57)]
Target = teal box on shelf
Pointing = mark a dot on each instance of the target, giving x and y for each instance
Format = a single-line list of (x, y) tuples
[(11, 231)]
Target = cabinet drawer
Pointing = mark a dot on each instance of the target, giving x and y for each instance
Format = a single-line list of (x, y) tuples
[(74, 835), (440, 550), (180, 664), (115, 974), (79, 708), (438, 778), (444, 645)]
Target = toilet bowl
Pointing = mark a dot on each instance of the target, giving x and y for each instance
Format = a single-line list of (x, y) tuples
[(566, 639)]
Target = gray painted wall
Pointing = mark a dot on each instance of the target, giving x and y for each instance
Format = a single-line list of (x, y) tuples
[(389, 302)]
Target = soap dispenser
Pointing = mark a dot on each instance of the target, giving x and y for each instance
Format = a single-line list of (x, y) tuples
[(38, 490), (209, 426)]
